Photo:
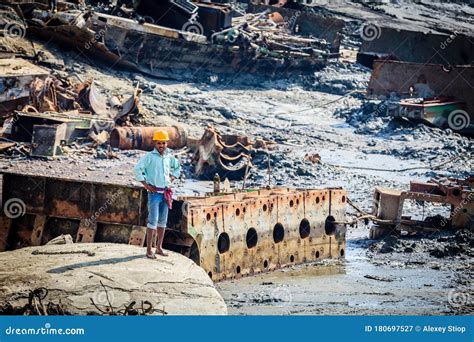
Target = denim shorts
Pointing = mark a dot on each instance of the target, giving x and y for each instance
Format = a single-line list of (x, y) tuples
[(157, 210)]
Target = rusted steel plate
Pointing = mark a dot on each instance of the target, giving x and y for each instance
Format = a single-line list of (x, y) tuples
[(30, 190), (398, 77), (137, 236), (118, 204), (116, 233), (38, 229), (246, 233), (5, 226), (86, 231), (417, 47), (68, 199)]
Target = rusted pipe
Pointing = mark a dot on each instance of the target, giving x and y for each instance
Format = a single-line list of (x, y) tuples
[(141, 138)]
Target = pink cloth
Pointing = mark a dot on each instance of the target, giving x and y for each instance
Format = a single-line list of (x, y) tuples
[(168, 194)]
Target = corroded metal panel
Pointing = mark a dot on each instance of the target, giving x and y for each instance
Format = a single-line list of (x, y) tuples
[(116, 203), (5, 226), (68, 199), (30, 190), (246, 233)]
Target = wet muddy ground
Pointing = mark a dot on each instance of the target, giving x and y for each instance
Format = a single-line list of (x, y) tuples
[(360, 148), (364, 283)]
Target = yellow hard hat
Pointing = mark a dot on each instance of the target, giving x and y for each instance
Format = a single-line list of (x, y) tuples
[(161, 136)]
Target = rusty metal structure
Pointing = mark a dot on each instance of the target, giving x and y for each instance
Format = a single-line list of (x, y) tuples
[(229, 235), (228, 155), (388, 206), (416, 47), (16, 75)]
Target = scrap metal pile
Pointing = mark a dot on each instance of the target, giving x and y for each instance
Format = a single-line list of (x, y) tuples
[(270, 35), (50, 111), (260, 43)]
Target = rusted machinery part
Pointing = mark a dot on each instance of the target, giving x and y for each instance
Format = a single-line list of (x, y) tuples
[(236, 150), (97, 101), (231, 168), (141, 138), (129, 105)]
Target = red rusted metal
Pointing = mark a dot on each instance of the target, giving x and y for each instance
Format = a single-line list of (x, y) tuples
[(141, 138), (458, 193)]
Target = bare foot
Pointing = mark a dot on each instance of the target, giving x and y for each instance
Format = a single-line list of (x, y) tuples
[(151, 256), (160, 252)]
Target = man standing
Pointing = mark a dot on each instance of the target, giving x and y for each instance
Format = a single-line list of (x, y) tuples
[(156, 171)]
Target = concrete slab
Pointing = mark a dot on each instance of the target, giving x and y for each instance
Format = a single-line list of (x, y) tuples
[(73, 273)]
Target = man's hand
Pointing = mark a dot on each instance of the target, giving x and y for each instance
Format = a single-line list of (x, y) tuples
[(148, 187), (172, 178)]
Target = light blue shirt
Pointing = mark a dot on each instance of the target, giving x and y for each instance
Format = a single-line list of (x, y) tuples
[(156, 169)]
